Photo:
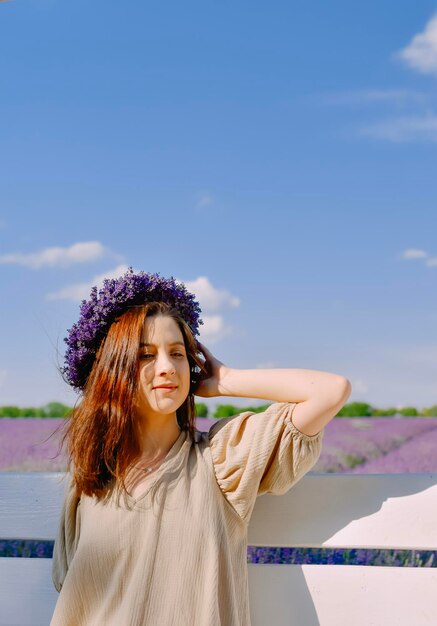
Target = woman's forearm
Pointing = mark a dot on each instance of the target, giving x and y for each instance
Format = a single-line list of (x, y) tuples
[(284, 385), (319, 395)]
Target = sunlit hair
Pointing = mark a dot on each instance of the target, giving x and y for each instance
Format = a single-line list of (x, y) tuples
[(103, 436)]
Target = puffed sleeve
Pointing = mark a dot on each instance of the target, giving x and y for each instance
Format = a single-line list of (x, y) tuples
[(67, 536), (257, 453)]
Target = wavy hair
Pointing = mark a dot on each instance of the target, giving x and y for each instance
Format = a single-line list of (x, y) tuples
[(103, 436)]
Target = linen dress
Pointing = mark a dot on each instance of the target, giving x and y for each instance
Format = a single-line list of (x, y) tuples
[(178, 558)]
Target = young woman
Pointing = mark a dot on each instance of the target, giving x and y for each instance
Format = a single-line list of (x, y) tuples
[(153, 529)]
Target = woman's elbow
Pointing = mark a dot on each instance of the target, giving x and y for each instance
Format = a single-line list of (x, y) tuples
[(344, 389)]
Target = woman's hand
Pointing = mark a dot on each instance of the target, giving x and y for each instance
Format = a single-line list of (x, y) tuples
[(210, 383)]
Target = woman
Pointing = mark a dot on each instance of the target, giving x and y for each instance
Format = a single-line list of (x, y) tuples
[(153, 529)]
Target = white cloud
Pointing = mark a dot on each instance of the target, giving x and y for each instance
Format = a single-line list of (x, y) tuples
[(421, 52), (370, 96), (213, 328), (82, 252), (404, 129), (81, 291), (413, 253), (205, 199), (359, 385), (210, 298)]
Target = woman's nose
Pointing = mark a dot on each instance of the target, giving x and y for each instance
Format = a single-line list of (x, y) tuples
[(164, 364)]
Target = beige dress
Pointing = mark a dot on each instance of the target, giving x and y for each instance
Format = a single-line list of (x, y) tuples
[(178, 558)]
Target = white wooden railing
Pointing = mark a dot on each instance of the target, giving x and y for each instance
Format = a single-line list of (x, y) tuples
[(322, 510)]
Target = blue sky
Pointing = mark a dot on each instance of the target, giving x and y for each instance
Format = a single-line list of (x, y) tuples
[(279, 158)]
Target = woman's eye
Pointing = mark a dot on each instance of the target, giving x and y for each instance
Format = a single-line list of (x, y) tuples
[(144, 356)]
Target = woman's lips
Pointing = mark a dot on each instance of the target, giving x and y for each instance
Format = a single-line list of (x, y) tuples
[(166, 388)]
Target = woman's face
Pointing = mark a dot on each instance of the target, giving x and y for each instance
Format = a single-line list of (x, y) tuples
[(163, 361)]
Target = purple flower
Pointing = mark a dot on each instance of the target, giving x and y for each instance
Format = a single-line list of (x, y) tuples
[(103, 307)]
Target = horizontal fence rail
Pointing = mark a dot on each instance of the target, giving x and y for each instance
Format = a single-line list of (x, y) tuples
[(332, 514), (395, 511)]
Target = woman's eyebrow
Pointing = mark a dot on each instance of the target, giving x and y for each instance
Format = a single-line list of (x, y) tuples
[(173, 343)]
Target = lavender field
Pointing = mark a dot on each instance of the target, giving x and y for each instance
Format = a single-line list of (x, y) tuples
[(351, 445)]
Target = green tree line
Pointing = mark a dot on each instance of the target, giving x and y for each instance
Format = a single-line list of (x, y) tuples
[(353, 409)]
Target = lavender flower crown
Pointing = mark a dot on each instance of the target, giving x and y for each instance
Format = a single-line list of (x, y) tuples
[(117, 294)]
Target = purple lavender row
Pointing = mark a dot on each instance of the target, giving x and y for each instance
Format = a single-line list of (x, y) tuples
[(350, 444), (260, 555), (26, 444), (418, 455)]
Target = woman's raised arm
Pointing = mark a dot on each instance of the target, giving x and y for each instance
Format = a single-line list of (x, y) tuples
[(320, 395)]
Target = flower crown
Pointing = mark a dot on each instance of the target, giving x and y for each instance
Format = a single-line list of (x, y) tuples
[(117, 294)]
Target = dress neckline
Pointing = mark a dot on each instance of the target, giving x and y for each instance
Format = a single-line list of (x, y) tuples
[(150, 481)]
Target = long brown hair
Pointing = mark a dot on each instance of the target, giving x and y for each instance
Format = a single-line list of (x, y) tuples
[(102, 434)]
